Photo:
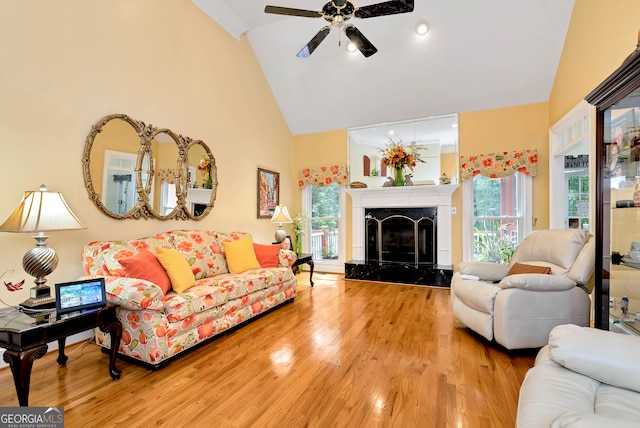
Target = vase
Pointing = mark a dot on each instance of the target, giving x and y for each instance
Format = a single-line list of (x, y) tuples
[(398, 176), (298, 246), (208, 184)]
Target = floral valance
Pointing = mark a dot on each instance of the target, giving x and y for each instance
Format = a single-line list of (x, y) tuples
[(322, 176), (166, 175), (501, 164)]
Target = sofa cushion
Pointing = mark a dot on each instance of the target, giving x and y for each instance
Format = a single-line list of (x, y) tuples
[(240, 255), (202, 251), (145, 265), (114, 251), (177, 268), (214, 291), (267, 255)]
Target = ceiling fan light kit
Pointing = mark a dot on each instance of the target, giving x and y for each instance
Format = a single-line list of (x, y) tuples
[(337, 12)]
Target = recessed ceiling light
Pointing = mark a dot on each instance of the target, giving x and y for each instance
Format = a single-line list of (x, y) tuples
[(351, 47), (422, 27)]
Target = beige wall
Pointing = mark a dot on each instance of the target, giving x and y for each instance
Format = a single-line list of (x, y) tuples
[(68, 63), (601, 35)]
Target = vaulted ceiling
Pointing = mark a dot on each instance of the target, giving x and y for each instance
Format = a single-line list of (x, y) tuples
[(478, 55)]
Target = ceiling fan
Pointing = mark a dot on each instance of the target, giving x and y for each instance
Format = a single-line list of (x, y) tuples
[(337, 12)]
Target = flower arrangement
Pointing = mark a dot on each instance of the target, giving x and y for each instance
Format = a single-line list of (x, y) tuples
[(205, 167), (300, 223), (398, 155), (299, 226)]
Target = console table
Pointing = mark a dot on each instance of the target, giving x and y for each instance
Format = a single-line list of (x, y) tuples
[(302, 259), (25, 337)]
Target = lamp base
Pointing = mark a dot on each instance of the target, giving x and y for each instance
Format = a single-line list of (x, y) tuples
[(280, 235), (41, 298)]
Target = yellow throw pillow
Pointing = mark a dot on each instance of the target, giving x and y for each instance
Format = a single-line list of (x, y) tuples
[(240, 255), (177, 267)]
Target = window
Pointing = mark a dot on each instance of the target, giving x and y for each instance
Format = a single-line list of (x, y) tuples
[(501, 212), (577, 188), (324, 238)]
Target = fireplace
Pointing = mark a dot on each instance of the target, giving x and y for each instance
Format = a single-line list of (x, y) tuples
[(401, 234)]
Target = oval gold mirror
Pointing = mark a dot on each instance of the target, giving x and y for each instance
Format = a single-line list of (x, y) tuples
[(109, 165), (134, 170), (202, 180), (161, 179)]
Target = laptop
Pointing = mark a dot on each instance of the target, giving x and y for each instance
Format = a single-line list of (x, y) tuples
[(77, 297)]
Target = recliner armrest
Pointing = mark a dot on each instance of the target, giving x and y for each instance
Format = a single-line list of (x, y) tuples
[(485, 271), (537, 282)]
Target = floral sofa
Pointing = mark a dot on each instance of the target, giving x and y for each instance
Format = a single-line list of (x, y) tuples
[(160, 323)]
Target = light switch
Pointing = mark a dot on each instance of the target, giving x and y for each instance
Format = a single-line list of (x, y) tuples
[(453, 210)]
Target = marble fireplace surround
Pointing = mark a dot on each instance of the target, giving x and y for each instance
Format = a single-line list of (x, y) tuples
[(399, 197)]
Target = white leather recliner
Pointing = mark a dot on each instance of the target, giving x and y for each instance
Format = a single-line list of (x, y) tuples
[(518, 311), (583, 378)]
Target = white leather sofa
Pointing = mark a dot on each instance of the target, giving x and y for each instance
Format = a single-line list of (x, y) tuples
[(583, 378), (519, 311)]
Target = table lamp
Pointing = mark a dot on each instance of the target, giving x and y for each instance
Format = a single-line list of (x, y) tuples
[(280, 216), (41, 211)]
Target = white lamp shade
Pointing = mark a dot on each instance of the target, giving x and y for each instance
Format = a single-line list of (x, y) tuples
[(41, 211), (281, 215)]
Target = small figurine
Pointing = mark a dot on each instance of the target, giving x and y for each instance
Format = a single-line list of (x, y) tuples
[(407, 180), (388, 183)]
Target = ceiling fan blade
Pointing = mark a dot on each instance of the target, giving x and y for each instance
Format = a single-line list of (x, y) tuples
[(292, 12), (314, 43), (360, 41), (386, 8)]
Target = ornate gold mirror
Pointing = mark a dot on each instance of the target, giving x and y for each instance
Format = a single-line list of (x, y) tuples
[(202, 179), (134, 170)]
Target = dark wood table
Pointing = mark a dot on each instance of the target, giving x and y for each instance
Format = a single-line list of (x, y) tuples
[(25, 337), (302, 259)]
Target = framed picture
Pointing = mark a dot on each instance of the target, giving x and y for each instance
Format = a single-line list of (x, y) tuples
[(268, 192)]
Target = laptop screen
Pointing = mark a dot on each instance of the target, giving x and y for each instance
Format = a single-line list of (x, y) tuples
[(80, 295)]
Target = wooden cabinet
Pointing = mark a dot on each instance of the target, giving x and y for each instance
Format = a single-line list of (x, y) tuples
[(617, 188)]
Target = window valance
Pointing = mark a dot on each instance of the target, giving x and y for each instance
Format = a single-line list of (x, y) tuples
[(501, 164), (322, 176), (166, 175)]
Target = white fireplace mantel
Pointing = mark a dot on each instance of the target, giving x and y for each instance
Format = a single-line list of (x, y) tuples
[(403, 197)]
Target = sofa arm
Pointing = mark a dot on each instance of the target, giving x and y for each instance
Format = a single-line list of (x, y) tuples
[(133, 293), (537, 282), (485, 271), (286, 258), (608, 357)]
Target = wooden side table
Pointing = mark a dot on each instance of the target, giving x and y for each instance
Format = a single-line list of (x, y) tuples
[(25, 337), (302, 259)]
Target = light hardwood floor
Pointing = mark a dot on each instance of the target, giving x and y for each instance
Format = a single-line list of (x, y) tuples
[(343, 354)]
